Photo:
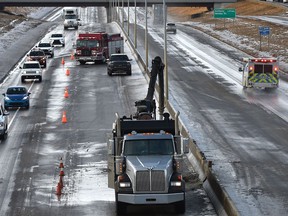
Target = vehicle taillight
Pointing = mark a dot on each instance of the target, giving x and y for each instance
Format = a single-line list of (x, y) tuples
[(276, 69), (250, 68)]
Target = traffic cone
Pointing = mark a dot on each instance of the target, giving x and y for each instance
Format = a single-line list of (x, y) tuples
[(64, 118), (67, 72), (61, 182), (61, 163), (58, 189), (66, 94), (72, 56), (61, 172), (63, 61)]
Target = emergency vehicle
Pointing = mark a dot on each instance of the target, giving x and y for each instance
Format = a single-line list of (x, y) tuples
[(260, 72), (97, 47)]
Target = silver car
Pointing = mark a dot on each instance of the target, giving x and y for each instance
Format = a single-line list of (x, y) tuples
[(3, 122), (171, 27), (47, 47)]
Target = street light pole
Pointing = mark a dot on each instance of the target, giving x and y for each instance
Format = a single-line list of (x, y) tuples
[(118, 17), (123, 14), (128, 22), (135, 26), (146, 37), (165, 50)]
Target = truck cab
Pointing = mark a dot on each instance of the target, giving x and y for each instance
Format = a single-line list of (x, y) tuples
[(70, 16)]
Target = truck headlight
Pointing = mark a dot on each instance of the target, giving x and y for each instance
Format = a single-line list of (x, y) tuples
[(124, 184), (93, 52), (124, 181), (176, 183)]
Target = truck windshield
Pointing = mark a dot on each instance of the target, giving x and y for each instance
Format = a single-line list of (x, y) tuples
[(88, 43), (149, 147), (70, 16)]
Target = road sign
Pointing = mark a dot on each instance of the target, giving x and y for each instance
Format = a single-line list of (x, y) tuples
[(224, 13), (264, 30)]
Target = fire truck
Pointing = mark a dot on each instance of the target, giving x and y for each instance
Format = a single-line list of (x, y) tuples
[(260, 72), (97, 47)]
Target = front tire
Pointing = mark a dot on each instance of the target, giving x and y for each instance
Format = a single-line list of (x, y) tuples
[(180, 207), (121, 208), (22, 79)]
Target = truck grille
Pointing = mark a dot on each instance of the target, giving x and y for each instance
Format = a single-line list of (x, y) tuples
[(86, 52), (143, 180)]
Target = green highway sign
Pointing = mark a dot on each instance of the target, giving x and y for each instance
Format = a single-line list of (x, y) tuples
[(224, 13)]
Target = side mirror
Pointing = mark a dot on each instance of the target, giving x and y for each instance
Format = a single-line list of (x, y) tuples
[(3, 94), (28, 93), (240, 69)]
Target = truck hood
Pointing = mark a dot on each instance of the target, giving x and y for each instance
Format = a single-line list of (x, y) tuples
[(159, 162)]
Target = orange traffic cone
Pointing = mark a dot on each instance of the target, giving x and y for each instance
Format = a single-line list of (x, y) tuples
[(61, 163), (67, 72), (61, 172), (62, 62), (58, 190), (72, 56), (66, 94), (64, 118), (61, 182)]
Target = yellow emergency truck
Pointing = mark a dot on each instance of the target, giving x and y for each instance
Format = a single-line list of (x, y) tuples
[(260, 72)]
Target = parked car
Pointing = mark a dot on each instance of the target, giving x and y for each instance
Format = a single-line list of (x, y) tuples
[(38, 55), (3, 122), (57, 39), (171, 27), (47, 48), (118, 63), (16, 96), (31, 70)]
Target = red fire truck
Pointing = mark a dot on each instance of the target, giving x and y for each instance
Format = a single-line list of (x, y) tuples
[(97, 47)]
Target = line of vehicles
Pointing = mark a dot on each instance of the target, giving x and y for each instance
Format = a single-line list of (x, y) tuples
[(18, 96), (103, 47)]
